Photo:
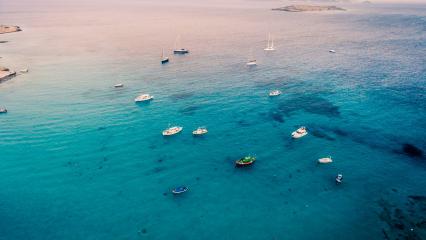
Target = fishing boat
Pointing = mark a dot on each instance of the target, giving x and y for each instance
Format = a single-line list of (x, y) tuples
[(172, 131), (144, 98), (3, 110), (300, 132), (339, 178), (325, 160), (177, 49), (245, 161), (251, 60), (119, 85), (270, 45), (200, 131), (331, 51), (179, 190), (274, 93), (164, 59)]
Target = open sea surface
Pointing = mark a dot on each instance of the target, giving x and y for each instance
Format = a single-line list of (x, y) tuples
[(80, 160)]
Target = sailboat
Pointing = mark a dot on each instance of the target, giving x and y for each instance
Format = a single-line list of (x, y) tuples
[(179, 50), (270, 46), (251, 61), (164, 59)]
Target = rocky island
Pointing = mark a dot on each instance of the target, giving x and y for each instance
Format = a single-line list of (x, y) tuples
[(9, 29), (308, 8)]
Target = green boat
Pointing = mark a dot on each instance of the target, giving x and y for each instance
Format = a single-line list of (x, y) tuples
[(248, 160)]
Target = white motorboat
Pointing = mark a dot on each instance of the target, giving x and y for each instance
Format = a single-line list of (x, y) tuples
[(331, 51), (270, 45), (119, 85), (3, 110), (25, 70), (172, 131), (200, 131), (301, 132), (178, 49), (274, 93), (325, 160), (144, 98)]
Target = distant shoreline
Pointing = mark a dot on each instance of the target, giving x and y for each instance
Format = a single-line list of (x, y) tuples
[(308, 8)]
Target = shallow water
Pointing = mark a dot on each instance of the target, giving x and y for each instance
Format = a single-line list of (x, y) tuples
[(80, 160)]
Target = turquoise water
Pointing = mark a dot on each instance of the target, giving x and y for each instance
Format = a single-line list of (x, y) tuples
[(80, 160)]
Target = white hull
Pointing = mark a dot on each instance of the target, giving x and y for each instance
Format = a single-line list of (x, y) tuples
[(325, 160), (172, 131), (144, 98)]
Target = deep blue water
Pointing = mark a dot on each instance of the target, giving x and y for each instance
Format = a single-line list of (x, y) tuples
[(80, 160)]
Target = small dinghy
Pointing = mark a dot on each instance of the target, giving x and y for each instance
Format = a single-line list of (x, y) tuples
[(325, 160), (120, 85), (172, 131), (274, 93), (3, 110), (144, 98), (339, 178), (245, 161), (179, 190), (200, 131), (331, 51), (301, 132)]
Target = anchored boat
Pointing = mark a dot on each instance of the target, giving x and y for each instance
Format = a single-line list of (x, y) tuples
[(172, 131), (301, 132), (179, 50), (144, 98), (119, 85), (274, 93), (179, 190), (200, 131), (245, 161), (164, 59), (325, 160), (3, 110), (339, 178), (270, 45)]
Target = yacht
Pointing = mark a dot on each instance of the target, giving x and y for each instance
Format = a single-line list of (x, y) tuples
[(274, 93), (200, 131), (172, 131), (164, 59), (144, 98), (325, 160), (119, 85), (3, 110), (300, 132), (179, 50), (251, 61), (270, 45)]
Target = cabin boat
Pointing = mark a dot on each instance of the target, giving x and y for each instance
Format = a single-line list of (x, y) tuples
[(179, 50), (274, 93), (301, 132), (144, 98), (245, 161), (270, 45), (172, 131), (331, 51), (119, 85), (180, 190), (325, 160), (199, 131)]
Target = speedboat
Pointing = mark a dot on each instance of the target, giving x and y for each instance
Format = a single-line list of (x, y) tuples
[(325, 160), (144, 98), (199, 131), (3, 110), (331, 51), (251, 63), (172, 131), (301, 132), (119, 85), (179, 190), (245, 161), (274, 93), (339, 178)]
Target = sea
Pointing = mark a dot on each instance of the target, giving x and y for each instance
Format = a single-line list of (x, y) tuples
[(79, 159)]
